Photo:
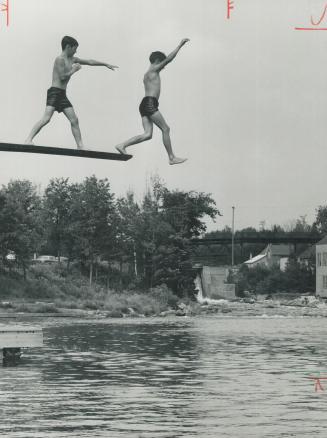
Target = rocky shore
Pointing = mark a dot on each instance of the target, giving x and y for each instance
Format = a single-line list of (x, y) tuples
[(278, 306)]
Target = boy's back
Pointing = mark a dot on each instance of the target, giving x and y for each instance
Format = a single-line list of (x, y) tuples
[(152, 83)]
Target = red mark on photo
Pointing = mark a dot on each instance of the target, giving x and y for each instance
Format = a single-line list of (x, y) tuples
[(316, 24), (5, 8), (230, 6), (318, 385)]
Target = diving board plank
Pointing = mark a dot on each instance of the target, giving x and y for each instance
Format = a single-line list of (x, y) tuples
[(15, 147)]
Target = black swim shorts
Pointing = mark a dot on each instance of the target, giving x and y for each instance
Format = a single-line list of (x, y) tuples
[(148, 106), (57, 98)]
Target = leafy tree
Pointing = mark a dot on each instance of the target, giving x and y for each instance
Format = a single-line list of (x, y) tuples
[(94, 220), (20, 223), (302, 226), (297, 278), (169, 219), (321, 220), (185, 211), (57, 215), (128, 237)]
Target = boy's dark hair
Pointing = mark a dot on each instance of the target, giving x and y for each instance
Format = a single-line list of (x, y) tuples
[(68, 41), (157, 56)]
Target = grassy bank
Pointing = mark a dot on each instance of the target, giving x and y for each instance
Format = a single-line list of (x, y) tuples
[(50, 289)]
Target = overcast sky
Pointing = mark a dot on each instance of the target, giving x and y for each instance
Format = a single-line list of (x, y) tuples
[(246, 99)]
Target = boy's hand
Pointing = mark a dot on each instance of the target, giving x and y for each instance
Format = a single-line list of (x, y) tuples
[(111, 67), (76, 67), (184, 41)]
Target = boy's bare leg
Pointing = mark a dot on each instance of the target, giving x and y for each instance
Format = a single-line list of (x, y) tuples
[(147, 135), (71, 116), (158, 120), (49, 110)]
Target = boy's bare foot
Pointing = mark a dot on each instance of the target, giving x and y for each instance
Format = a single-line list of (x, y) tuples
[(121, 149), (177, 160)]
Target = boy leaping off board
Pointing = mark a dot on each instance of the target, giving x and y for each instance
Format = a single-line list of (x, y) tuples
[(64, 67), (149, 106)]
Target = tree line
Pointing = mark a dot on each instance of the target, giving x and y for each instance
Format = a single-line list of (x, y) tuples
[(91, 228)]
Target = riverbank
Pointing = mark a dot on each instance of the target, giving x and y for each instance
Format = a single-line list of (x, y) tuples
[(278, 306), (104, 304), (52, 290), (125, 305), (49, 291)]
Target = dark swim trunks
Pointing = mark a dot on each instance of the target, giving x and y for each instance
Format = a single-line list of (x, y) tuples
[(57, 98), (148, 106)]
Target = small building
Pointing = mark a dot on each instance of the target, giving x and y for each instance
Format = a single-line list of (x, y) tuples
[(258, 260), (321, 268), (272, 255), (211, 282)]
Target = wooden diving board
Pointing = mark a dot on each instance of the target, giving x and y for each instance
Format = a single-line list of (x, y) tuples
[(15, 336), (15, 147)]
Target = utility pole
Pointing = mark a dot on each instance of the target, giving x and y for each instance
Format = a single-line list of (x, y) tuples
[(135, 260), (233, 236)]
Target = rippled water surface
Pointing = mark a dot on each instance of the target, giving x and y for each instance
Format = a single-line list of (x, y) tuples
[(188, 377)]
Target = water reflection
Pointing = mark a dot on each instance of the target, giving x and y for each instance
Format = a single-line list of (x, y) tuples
[(203, 377)]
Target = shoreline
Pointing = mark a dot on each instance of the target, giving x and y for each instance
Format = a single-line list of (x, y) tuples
[(302, 306)]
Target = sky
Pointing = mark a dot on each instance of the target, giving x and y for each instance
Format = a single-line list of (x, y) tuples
[(245, 99)]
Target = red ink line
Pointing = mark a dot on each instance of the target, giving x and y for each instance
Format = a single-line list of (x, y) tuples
[(321, 18), (5, 8), (318, 385), (313, 378), (310, 28), (230, 6)]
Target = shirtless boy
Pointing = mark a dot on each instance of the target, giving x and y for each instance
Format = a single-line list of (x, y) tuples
[(149, 106), (64, 67)]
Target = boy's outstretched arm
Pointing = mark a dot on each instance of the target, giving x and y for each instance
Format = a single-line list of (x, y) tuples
[(95, 63), (171, 56)]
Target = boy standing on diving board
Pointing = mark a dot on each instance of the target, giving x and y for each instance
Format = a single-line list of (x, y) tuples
[(149, 107), (64, 67)]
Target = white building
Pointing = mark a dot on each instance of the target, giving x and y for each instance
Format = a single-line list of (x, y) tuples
[(321, 268), (272, 255)]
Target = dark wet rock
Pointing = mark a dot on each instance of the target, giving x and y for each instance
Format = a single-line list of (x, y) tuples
[(167, 313), (115, 314), (210, 309), (249, 300), (226, 310)]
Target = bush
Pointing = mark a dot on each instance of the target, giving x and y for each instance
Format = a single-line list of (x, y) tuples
[(10, 287), (46, 308), (49, 282), (164, 296), (262, 280)]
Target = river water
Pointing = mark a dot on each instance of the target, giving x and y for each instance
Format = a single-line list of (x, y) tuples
[(179, 377)]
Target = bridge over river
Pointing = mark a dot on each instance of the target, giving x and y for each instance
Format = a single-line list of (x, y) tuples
[(214, 251)]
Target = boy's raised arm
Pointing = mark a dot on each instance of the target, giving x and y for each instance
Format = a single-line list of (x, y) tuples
[(94, 63), (171, 55)]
